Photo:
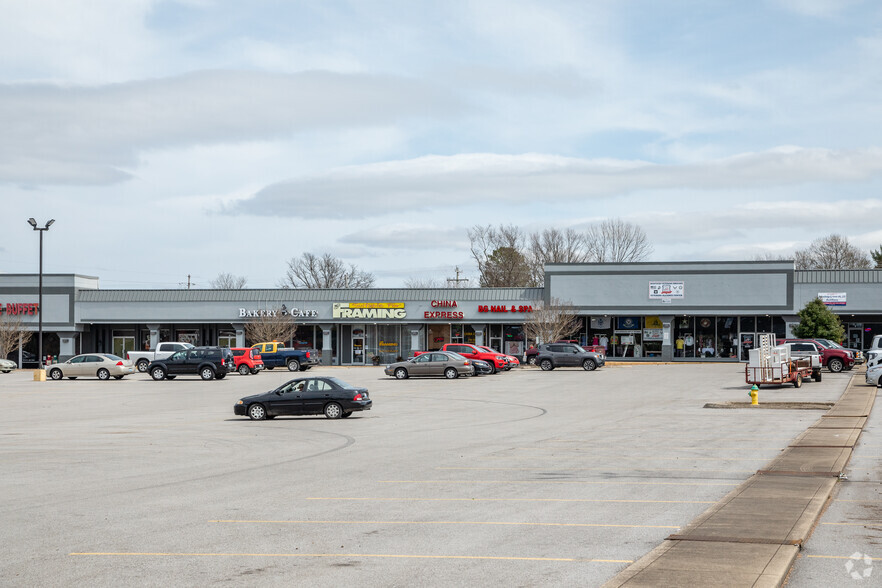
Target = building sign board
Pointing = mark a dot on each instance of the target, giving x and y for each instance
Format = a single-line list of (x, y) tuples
[(832, 298), (369, 310), (504, 308), (16, 308), (667, 290)]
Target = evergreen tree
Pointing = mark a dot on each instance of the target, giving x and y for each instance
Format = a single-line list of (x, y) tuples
[(876, 254), (816, 321)]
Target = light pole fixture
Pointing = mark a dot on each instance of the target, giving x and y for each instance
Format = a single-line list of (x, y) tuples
[(33, 224)]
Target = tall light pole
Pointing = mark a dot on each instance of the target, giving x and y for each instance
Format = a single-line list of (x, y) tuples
[(33, 223)]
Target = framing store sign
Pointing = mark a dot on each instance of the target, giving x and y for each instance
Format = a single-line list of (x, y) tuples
[(369, 310)]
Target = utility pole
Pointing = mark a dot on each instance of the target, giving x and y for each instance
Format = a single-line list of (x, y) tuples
[(457, 280)]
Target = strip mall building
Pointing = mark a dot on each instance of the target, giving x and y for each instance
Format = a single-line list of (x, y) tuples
[(687, 311)]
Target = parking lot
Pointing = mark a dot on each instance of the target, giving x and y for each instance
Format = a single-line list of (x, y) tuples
[(516, 479)]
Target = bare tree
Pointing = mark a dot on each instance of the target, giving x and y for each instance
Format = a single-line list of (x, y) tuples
[(769, 256), (832, 252), (554, 246), (616, 241), (13, 335), (272, 325), (226, 281), (499, 255), (312, 272), (552, 322)]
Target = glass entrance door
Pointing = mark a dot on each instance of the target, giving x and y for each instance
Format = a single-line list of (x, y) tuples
[(358, 349), (123, 344)]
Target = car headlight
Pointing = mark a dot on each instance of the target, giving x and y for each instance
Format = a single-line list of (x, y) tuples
[(240, 402)]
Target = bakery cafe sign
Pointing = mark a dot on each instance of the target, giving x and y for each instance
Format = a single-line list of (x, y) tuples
[(276, 312)]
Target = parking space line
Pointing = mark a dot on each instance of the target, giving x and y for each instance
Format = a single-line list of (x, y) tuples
[(854, 524), (693, 470), (366, 555), (583, 482), (363, 498), (652, 457), (840, 557), (526, 524)]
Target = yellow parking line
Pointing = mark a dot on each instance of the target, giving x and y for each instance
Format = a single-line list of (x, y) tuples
[(510, 500), (591, 482), (841, 557), (448, 523), (376, 555)]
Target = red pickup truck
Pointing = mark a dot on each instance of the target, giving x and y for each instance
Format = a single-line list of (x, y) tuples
[(835, 359), (497, 361)]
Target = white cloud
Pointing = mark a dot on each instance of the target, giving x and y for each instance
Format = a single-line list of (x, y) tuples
[(427, 182)]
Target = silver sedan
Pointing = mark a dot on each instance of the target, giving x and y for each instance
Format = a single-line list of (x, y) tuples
[(432, 363), (92, 365), (7, 366)]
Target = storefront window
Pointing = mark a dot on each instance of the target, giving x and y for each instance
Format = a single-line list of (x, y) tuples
[(188, 336), (748, 324), (513, 340), (684, 337), (653, 333), (389, 343), (600, 333), (462, 334), (727, 337), (226, 338), (763, 324), (627, 340)]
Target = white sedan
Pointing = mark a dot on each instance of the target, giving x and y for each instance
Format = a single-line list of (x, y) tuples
[(7, 366), (92, 365)]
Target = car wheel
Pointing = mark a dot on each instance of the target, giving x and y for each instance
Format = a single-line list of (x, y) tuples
[(451, 373), (835, 365), (243, 370), (493, 369), (293, 365), (257, 412), (206, 373), (170, 377), (333, 410), (118, 377), (401, 373), (142, 365), (270, 367), (103, 374), (531, 360), (254, 372), (56, 374), (546, 365), (588, 365), (346, 415), (220, 376), (158, 373), (798, 381)]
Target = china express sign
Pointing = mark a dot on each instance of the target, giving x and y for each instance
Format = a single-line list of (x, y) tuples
[(369, 310)]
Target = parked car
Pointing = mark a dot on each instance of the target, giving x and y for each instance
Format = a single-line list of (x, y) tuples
[(482, 367), (432, 363), (326, 395), (7, 365), (208, 362), (511, 359), (247, 360), (274, 354), (531, 353), (834, 359), (874, 375), (496, 360), (142, 359), (92, 365), (857, 354), (553, 355)]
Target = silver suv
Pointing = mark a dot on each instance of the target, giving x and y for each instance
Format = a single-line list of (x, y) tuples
[(552, 355)]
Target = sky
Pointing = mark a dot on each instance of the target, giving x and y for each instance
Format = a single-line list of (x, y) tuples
[(177, 140)]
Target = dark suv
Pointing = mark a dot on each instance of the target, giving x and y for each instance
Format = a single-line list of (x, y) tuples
[(207, 362), (552, 355)]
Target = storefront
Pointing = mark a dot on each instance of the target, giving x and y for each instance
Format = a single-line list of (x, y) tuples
[(687, 311)]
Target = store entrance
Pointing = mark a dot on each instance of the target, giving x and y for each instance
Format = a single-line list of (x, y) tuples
[(123, 344), (358, 348)]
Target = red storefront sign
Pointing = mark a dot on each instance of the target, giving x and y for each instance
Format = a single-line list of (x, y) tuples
[(17, 308)]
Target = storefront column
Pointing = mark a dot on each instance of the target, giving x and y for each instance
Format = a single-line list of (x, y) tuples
[(327, 344), (154, 335), (67, 347), (479, 334), (240, 334), (415, 339), (667, 353)]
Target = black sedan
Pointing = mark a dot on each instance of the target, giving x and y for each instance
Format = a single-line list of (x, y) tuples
[(329, 396)]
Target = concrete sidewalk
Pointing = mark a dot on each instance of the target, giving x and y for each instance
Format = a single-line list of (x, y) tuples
[(753, 535)]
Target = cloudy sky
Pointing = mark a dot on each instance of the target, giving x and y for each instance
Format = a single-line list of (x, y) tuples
[(194, 137)]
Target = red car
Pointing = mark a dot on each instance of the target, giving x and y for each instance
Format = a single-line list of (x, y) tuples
[(247, 360), (834, 359), (497, 361)]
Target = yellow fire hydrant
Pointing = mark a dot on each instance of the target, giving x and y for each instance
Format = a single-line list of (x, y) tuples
[(754, 395)]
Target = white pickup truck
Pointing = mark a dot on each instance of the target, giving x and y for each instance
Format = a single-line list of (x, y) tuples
[(142, 359)]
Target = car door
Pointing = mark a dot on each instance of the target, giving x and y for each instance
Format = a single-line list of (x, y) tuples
[(420, 365), (318, 392), (92, 365), (75, 367), (176, 362), (288, 399), (439, 362)]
